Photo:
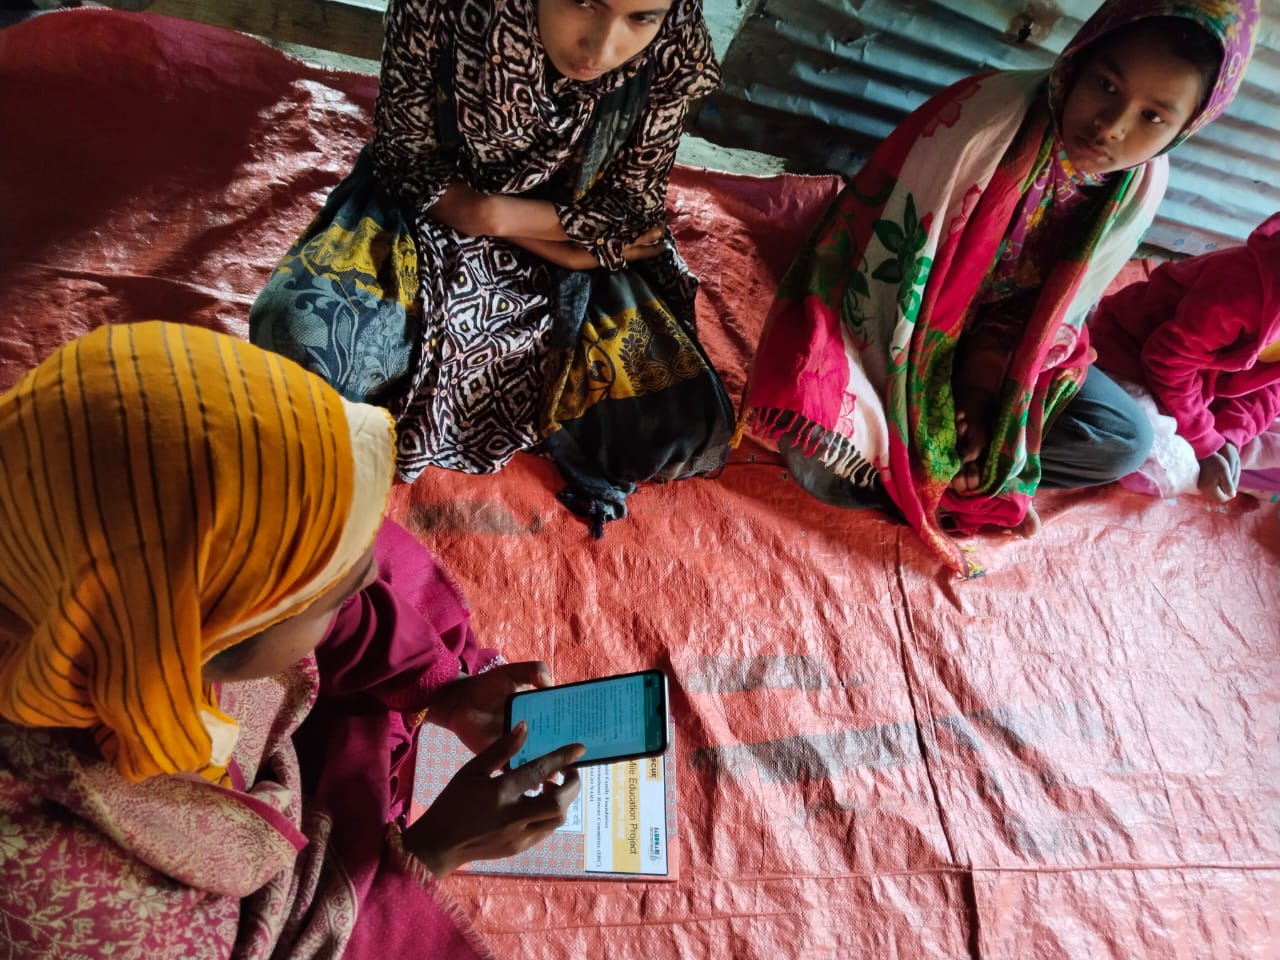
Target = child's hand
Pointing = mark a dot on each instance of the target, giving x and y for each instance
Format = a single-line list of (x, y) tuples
[(649, 244), (1220, 474), (465, 210), (480, 816), (474, 707), (573, 256)]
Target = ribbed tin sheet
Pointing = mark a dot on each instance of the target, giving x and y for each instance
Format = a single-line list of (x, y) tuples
[(820, 82)]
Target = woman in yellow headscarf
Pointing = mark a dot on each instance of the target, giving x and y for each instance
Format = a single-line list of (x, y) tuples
[(184, 518)]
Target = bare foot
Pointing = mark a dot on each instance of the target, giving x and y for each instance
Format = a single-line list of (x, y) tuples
[(971, 441), (1030, 524)]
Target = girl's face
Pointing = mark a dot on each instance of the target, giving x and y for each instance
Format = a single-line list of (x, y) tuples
[(585, 39), (283, 644), (1130, 101)]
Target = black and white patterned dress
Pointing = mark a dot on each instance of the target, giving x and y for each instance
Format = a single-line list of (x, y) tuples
[(470, 398)]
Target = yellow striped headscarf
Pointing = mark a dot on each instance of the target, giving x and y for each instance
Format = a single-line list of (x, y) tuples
[(166, 492)]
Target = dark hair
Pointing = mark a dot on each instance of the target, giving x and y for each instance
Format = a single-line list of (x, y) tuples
[(1185, 39)]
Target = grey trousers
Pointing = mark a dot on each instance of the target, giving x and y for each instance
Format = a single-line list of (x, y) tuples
[(1101, 436)]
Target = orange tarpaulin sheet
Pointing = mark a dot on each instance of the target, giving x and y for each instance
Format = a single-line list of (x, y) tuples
[(1075, 756)]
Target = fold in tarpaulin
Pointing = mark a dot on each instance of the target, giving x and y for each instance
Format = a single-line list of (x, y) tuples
[(1075, 756)]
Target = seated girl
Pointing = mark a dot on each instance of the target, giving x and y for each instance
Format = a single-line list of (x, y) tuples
[(497, 269), (183, 518), (1203, 336), (929, 343)]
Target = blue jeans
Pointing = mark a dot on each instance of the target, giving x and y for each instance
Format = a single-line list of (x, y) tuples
[(1101, 436)]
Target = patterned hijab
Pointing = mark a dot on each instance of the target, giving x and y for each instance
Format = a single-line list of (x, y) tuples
[(681, 53), (1059, 193), (513, 108), (166, 492), (1234, 23)]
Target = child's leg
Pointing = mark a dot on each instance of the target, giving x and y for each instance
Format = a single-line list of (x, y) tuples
[(357, 341), (981, 361), (1263, 451), (343, 302), (816, 478), (1101, 436), (1260, 463)]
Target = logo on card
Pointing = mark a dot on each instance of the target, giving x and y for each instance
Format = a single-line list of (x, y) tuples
[(655, 844)]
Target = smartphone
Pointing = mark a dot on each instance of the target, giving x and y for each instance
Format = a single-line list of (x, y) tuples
[(615, 718)]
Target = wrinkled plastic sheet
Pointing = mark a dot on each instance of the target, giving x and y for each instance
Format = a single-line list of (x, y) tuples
[(1075, 756)]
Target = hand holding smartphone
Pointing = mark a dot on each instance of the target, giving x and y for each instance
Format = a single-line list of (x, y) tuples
[(480, 816), (616, 718)]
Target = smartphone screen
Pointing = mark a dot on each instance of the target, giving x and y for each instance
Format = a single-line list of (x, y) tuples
[(613, 717)]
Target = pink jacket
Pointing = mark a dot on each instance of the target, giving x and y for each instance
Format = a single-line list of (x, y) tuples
[(1191, 333)]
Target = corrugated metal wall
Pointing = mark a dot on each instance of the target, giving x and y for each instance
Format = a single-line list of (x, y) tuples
[(820, 82)]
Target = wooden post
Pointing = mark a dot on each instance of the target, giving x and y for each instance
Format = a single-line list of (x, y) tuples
[(353, 27)]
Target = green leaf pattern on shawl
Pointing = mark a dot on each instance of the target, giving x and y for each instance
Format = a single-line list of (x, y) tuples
[(935, 430), (823, 267), (907, 268), (893, 255), (818, 270)]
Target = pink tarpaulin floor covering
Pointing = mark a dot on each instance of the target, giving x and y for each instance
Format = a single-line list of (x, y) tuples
[(1075, 756)]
